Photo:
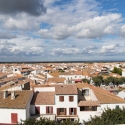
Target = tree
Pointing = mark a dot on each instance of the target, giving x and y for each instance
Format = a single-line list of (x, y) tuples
[(86, 80), (46, 121), (98, 80), (108, 117), (117, 70)]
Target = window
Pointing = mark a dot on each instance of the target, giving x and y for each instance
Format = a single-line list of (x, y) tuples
[(71, 98), (61, 109), (15, 69), (72, 111), (61, 98), (75, 76), (85, 92), (49, 109), (37, 110), (88, 108), (117, 107)]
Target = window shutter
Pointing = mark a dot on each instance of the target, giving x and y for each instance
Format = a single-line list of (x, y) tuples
[(47, 109), (61, 98), (69, 111), (65, 111), (71, 98), (75, 111), (52, 110), (57, 111)]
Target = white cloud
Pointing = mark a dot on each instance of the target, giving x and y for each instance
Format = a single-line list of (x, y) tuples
[(122, 31), (93, 28), (66, 51)]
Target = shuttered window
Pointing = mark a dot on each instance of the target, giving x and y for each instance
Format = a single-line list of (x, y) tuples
[(49, 109), (61, 111), (72, 111), (61, 98), (71, 98)]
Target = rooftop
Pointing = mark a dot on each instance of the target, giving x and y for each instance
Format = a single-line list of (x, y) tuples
[(20, 101), (43, 98), (66, 89)]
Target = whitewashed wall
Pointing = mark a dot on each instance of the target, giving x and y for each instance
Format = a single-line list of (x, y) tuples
[(121, 94), (5, 116), (44, 89)]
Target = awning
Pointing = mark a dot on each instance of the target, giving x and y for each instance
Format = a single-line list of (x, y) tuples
[(88, 103), (78, 80)]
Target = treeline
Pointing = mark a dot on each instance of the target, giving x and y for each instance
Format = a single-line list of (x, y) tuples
[(98, 80)]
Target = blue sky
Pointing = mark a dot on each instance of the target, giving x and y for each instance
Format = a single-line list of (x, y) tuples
[(62, 30)]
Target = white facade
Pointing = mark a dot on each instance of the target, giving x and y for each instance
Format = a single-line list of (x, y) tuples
[(123, 73), (44, 89), (6, 117), (121, 94), (66, 103)]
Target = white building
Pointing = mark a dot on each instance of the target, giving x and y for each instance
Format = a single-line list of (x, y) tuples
[(14, 106), (93, 100)]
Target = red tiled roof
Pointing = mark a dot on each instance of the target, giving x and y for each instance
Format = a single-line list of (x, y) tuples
[(43, 98), (88, 103)]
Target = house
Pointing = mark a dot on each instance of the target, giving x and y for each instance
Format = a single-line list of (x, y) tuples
[(93, 100), (14, 105), (43, 105), (55, 102), (66, 98)]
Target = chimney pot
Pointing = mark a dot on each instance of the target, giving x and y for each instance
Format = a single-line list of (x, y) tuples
[(5, 94), (12, 95)]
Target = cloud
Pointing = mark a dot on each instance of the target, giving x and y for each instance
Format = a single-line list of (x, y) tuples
[(32, 7), (66, 51), (99, 26), (12, 49), (6, 35), (107, 25), (109, 48), (122, 31)]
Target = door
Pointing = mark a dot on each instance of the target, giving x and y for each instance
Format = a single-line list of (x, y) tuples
[(14, 118), (37, 110)]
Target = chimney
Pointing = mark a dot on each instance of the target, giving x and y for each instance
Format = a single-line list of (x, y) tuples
[(5, 94), (12, 95)]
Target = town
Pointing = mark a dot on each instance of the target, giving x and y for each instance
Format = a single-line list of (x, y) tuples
[(58, 91)]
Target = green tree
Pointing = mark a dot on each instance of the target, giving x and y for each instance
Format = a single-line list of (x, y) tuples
[(86, 80), (98, 80), (45, 121), (108, 117), (117, 70)]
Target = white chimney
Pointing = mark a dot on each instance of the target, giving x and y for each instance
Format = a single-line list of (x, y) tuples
[(5, 94), (12, 95)]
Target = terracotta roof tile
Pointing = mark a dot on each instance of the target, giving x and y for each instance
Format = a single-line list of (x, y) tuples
[(88, 103), (58, 80), (20, 102), (43, 98), (103, 96), (66, 89)]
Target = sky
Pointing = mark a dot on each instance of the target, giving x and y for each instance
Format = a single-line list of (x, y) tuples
[(62, 30)]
